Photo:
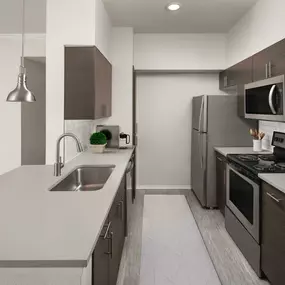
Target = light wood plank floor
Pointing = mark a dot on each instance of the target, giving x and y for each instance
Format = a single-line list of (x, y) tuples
[(129, 273), (230, 264)]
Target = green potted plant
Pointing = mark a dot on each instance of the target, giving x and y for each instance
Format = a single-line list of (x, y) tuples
[(98, 142)]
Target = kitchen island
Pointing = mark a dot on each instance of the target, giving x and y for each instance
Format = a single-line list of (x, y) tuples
[(49, 237)]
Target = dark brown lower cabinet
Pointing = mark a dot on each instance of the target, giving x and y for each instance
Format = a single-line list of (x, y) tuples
[(273, 235), (221, 167), (108, 251), (117, 216), (101, 259)]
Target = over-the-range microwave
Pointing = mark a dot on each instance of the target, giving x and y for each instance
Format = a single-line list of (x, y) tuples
[(264, 100)]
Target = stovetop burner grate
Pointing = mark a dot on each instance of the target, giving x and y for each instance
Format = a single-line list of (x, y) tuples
[(280, 165), (261, 167), (248, 157), (267, 157)]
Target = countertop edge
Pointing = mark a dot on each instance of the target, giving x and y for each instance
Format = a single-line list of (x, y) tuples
[(266, 179), (43, 263)]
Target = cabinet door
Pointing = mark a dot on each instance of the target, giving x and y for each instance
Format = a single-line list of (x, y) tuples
[(273, 234), (221, 182), (269, 62), (244, 75), (117, 216), (223, 79), (79, 83), (103, 86), (101, 259), (277, 59)]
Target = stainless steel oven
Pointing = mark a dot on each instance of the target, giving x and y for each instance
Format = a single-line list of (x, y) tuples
[(264, 100), (242, 198)]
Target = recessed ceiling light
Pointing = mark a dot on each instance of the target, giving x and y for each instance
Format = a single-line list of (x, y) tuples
[(173, 6)]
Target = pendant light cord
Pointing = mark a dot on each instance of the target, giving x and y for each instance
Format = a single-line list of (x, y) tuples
[(23, 34)]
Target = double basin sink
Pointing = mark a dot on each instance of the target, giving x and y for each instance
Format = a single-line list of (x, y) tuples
[(85, 179)]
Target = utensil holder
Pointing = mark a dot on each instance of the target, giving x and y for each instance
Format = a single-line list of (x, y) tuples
[(257, 145)]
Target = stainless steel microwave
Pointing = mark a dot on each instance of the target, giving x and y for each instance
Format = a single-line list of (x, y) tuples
[(264, 100)]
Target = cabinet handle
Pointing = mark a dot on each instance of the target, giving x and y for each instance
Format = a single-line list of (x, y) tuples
[(110, 238), (273, 198), (225, 178), (266, 70), (107, 230), (270, 69), (121, 205)]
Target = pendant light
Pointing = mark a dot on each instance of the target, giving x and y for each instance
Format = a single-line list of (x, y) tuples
[(21, 93)]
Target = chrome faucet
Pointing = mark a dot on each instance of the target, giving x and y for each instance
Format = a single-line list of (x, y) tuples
[(58, 163)]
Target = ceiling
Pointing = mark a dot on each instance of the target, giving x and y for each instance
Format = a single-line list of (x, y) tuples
[(195, 16), (11, 16), (146, 16)]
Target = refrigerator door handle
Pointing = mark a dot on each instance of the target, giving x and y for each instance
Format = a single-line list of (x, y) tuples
[(201, 113), (201, 152)]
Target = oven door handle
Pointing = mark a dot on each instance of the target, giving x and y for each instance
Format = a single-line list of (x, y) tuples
[(270, 99)]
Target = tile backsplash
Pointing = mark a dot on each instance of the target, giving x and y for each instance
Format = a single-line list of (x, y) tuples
[(268, 128), (82, 129)]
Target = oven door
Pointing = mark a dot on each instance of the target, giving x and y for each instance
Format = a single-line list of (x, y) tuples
[(264, 99), (243, 200)]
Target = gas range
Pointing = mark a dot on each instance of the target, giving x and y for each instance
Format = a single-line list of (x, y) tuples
[(256, 163), (243, 196)]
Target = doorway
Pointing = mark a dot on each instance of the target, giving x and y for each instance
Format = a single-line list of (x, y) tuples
[(33, 116), (164, 106)]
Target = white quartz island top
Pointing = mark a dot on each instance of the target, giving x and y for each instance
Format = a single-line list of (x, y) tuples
[(40, 228), (238, 150)]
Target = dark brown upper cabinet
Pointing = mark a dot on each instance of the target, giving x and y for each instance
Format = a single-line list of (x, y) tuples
[(244, 75), (227, 78), (269, 62), (88, 84), (238, 75)]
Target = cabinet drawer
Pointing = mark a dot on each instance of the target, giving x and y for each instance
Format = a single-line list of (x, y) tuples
[(273, 234)]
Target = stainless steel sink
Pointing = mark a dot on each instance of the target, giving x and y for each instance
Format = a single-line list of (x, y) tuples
[(85, 178)]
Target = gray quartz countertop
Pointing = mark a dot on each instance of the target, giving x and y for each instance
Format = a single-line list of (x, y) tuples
[(40, 228), (277, 180), (237, 150)]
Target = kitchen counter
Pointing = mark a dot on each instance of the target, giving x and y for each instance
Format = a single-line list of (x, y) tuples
[(237, 150), (277, 180), (40, 228)]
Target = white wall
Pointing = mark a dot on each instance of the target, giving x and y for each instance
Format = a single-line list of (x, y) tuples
[(180, 51), (261, 27), (33, 116), (103, 30), (10, 113), (268, 128), (164, 127), (122, 83), (85, 23)]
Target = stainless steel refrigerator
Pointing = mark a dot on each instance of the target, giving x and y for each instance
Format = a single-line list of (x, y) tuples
[(215, 123)]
